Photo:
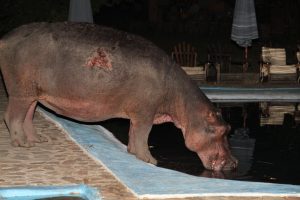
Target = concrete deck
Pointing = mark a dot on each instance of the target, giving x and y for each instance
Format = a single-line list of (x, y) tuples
[(62, 162)]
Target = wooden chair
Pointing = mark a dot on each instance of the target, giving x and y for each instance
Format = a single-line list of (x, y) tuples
[(273, 67), (185, 56), (221, 55), (228, 70)]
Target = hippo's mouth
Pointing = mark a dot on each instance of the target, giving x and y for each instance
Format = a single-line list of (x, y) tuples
[(217, 167), (228, 164), (224, 165)]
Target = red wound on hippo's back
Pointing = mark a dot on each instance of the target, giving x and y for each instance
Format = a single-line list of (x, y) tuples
[(99, 59)]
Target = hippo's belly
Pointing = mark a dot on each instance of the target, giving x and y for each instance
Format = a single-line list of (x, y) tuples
[(82, 110)]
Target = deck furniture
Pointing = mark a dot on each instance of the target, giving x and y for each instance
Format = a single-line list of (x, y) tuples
[(273, 67), (185, 55), (220, 54)]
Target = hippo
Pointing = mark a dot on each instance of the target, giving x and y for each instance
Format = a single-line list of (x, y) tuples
[(92, 73)]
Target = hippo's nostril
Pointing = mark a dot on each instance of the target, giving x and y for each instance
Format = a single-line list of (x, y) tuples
[(235, 164), (213, 165), (223, 163)]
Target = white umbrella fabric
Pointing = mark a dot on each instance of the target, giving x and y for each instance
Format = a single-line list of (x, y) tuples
[(244, 25)]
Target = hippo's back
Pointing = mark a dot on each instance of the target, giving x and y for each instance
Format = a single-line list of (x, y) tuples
[(52, 55), (79, 38)]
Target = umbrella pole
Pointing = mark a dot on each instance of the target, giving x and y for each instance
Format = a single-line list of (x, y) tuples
[(245, 65)]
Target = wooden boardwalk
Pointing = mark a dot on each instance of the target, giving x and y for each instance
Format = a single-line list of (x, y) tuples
[(61, 162)]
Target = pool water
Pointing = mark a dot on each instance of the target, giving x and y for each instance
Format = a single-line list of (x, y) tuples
[(62, 198), (274, 156), (71, 192)]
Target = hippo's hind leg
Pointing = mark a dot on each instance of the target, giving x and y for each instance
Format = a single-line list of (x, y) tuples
[(14, 118), (18, 118), (138, 140), (29, 129)]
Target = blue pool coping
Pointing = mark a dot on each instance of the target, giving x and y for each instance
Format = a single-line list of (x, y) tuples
[(37, 192), (148, 181), (252, 94)]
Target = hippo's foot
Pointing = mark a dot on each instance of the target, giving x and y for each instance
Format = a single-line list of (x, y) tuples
[(37, 138), (143, 154), (17, 135), (31, 135), (131, 149), (18, 140), (18, 118), (147, 157), (33, 138), (22, 140)]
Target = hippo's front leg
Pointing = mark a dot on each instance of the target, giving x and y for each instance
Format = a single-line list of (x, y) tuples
[(138, 140)]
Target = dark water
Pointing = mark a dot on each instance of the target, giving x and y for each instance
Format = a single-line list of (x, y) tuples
[(275, 156)]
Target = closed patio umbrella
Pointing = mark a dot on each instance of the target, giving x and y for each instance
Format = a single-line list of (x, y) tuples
[(80, 11), (244, 26)]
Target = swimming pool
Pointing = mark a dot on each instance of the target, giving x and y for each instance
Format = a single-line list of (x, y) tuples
[(146, 180), (40, 192)]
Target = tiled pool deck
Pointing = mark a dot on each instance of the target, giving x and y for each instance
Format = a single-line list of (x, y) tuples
[(62, 162), (58, 162)]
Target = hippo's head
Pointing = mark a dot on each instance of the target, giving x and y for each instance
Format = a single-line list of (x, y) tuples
[(208, 138)]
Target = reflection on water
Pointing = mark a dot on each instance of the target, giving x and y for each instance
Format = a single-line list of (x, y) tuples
[(266, 152), (242, 147), (273, 113)]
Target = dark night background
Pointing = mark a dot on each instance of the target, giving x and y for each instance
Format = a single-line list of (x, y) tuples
[(167, 22)]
